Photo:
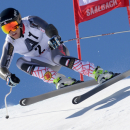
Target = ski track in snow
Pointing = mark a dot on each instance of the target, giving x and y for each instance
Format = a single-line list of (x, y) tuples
[(106, 110)]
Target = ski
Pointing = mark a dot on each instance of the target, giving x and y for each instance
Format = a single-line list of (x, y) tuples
[(78, 99), (31, 100)]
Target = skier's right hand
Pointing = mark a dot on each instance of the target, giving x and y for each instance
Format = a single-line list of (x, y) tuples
[(12, 80)]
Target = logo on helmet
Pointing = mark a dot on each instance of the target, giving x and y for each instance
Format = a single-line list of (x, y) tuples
[(15, 13)]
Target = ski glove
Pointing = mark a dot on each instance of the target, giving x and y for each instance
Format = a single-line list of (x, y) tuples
[(12, 80), (54, 42)]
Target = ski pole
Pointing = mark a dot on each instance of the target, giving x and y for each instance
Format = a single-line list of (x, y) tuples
[(95, 36), (7, 116)]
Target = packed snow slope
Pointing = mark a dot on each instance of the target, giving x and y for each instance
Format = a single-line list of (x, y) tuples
[(106, 110)]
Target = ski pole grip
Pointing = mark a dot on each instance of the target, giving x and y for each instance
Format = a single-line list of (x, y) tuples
[(61, 42)]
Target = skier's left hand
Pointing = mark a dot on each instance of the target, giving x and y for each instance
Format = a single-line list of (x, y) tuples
[(54, 42)]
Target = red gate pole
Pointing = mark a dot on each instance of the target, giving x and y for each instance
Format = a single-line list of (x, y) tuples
[(78, 47)]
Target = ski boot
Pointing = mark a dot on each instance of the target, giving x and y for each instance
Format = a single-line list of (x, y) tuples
[(61, 81), (101, 76)]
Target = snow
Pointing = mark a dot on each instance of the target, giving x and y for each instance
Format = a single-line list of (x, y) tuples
[(106, 110)]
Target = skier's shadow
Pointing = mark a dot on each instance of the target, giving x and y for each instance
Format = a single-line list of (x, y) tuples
[(109, 101)]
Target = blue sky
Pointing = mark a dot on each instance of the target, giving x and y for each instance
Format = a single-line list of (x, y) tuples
[(110, 52)]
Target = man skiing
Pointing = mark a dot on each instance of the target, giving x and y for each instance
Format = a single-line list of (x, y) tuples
[(43, 52)]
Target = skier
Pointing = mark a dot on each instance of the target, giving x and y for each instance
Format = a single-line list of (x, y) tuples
[(43, 52)]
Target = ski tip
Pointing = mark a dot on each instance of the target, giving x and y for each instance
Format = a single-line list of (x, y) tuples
[(76, 100), (22, 102)]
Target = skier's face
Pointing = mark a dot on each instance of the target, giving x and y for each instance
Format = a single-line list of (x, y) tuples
[(15, 34)]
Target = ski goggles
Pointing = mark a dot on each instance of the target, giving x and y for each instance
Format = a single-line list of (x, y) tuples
[(12, 26)]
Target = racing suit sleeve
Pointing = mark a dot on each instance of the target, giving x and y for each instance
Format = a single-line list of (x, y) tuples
[(50, 29), (6, 58)]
